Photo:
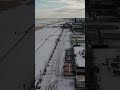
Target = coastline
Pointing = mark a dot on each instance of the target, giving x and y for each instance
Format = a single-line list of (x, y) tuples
[(41, 26)]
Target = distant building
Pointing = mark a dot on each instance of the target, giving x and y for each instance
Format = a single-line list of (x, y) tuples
[(78, 25)]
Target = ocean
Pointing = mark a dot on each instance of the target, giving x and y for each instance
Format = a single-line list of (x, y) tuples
[(44, 21)]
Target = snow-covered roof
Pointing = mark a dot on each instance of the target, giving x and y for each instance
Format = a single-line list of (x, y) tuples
[(80, 61), (80, 77), (82, 44), (79, 35)]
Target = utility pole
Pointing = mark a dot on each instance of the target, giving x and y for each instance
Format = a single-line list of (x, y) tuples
[(75, 20)]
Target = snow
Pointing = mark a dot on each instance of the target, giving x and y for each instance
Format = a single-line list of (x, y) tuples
[(80, 61), (45, 41), (80, 77), (44, 44), (54, 75), (42, 35)]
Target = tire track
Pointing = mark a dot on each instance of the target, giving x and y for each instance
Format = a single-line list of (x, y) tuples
[(50, 87), (46, 40), (60, 50), (55, 65), (52, 66)]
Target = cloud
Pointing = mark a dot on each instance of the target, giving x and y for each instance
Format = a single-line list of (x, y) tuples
[(60, 8)]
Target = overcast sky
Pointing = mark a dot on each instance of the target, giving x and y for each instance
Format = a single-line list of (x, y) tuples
[(60, 8)]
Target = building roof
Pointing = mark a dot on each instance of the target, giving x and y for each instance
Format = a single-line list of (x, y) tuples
[(80, 61), (80, 77)]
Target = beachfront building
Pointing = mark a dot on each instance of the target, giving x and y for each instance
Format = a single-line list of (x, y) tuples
[(77, 39), (78, 25), (80, 67), (69, 64)]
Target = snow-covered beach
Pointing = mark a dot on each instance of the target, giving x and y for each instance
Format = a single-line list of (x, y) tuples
[(45, 39)]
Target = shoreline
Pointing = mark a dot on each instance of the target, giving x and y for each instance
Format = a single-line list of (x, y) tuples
[(38, 27)]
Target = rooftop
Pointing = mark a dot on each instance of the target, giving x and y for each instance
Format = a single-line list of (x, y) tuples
[(80, 61)]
